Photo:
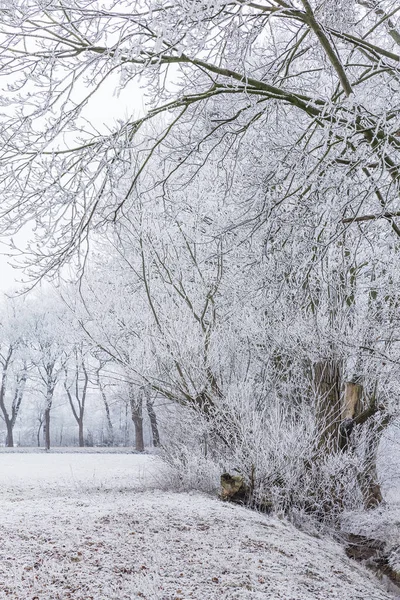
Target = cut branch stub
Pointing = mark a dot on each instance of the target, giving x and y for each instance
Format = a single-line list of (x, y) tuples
[(233, 488), (350, 409), (327, 385), (352, 400)]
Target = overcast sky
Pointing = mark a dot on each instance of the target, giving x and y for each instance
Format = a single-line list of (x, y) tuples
[(104, 109)]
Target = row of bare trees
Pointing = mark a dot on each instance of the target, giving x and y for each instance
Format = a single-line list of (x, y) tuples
[(42, 358)]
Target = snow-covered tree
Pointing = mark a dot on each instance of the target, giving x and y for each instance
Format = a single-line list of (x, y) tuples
[(318, 81), (49, 345), (14, 365)]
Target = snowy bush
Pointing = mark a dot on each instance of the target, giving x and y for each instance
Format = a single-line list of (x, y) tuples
[(194, 465), (274, 449)]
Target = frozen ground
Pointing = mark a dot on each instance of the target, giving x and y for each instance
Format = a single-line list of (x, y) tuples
[(76, 473), (94, 527)]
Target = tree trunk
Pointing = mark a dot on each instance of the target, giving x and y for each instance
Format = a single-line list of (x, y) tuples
[(153, 420), (80, 435), (46, 428), (368, 479), (38, 431), (10, 421), (46, 414), (352, 408), (7, 419), (110, 428), (136, 404), (126, 427), (354, 415), (327, 382), (10, 434), (139, 439), (79, 410)]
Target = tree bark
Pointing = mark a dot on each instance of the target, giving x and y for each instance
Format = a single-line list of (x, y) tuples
[(80, 434), (354, 415), (139, 439), (7, 419), (368, 479), (351, 409), (352, 400), (10, 434), (16, 405), (136, 404), (153, 420), (327, 383), (46, 428), (110, 428), (50, 379), (38, 433)]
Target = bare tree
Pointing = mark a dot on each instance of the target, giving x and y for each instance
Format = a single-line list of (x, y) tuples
[(10, 415), (153, 418), (100, 385), (14, 363), (136, 404), (48, 352), (76, 387)]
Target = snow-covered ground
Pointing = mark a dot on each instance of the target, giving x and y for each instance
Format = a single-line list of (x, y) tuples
[(77, 472), (95, 527)]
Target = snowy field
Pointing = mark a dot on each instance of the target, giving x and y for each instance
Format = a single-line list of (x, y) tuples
[(76, 472), (95, 527)]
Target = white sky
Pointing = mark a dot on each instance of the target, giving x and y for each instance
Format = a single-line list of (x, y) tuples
[(103, 110), (8, 275)]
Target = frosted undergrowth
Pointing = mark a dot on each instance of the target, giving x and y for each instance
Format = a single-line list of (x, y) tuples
[(83, 527)]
